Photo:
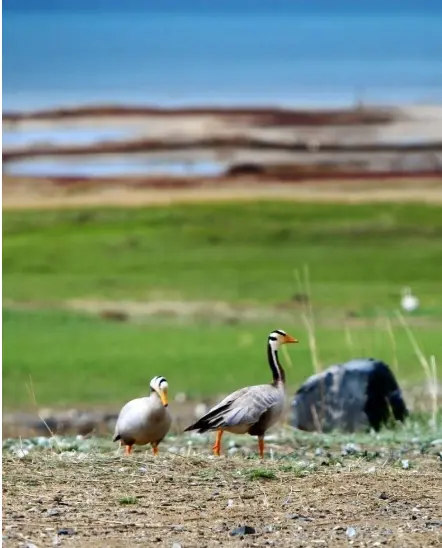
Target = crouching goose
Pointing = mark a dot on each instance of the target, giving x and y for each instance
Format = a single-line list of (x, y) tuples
[(251, 410), (145, 420)]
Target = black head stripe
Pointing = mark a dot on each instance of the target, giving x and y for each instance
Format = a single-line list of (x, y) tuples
[(280, 331), (271, 338)]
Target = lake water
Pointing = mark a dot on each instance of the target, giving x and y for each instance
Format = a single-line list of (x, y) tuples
[(106, 166), (323, 53), (275, 51)]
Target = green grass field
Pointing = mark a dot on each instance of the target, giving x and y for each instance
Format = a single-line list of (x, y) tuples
[(358, 257)]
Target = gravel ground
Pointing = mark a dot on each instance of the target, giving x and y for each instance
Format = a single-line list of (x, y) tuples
[(312, 490)]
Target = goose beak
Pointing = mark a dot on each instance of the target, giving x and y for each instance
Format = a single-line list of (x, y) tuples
[(163, 397), (289, 339)]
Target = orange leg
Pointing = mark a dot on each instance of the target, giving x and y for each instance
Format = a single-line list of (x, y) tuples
[(217, 445), (128, 450), (261, 447), (155, 449)]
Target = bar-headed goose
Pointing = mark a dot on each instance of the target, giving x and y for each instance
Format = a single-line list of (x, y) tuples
[(145, 420), (251, 410)]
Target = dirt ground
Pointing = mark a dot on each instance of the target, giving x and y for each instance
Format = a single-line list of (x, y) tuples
[(97, 500), (29, 193)]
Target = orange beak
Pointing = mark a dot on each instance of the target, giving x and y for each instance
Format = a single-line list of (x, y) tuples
[(289, 339), (163, 397)]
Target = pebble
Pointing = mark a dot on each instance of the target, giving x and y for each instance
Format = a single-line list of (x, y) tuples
[(405, 464), (297, 516), (180, 397), (53, 512), (351, 448), (176, 545), (350, 532), (66, 532), (200, 410), (243, 530)]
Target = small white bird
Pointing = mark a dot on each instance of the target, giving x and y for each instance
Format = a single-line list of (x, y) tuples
[(409, 302), (145, 420)]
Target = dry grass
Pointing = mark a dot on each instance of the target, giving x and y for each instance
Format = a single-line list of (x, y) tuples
[(27, 193), (104, 499)]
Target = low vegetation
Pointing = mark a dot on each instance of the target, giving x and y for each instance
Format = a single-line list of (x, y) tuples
[(73, 280)]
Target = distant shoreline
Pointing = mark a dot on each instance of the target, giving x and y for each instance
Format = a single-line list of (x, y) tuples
[(265, 115)]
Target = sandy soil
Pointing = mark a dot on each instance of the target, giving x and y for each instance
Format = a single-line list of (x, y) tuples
[(23, 193), (197, 501)]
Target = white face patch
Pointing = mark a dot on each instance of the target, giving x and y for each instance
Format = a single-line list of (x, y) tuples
[(159, 383), (275, 338)]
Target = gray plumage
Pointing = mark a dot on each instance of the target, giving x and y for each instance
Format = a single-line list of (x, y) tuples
[(251, 410)]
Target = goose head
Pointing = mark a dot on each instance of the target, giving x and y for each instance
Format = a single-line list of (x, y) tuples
[(279, 337), (159, 386)]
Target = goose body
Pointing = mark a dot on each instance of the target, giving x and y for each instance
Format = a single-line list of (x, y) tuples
[(253, 409), (145, 420)]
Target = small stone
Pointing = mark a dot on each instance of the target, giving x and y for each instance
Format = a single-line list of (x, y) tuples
[(180, 397), (176, 545), (319, 451), (229, 503), (350, 532), (200, 410), (30, 545), (178, 527), (351, 449), (434, 523), (65, 532), (297, 516), (243, 530), (405, 464), (383, 496), (53, 512)]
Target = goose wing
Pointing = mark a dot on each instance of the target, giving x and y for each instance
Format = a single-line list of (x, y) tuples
[(243, 407)]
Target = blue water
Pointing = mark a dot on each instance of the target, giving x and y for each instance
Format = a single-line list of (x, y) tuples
[(115, 165), (11, 139), (225, 53)]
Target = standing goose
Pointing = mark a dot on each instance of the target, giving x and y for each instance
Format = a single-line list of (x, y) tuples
[(251, 410), (145, 420)]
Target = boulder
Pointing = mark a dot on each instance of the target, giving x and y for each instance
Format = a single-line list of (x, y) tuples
[(357, 395)]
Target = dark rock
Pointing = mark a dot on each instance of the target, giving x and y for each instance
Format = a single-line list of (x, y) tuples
[(66, 532), (353, 396), (384, 496), (434, 523), (243, 530), (297, 516)]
